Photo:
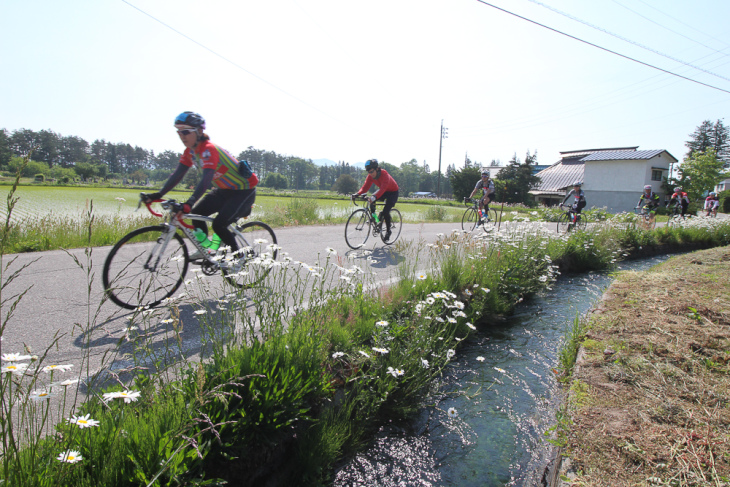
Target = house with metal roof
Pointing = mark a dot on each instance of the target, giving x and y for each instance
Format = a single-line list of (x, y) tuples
[(612, 178)]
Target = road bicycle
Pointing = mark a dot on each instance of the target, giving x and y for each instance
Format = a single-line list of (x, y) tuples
[(647, 218), (149, 264), (676, 218), (362, 223), (570, 220), (471, 219)]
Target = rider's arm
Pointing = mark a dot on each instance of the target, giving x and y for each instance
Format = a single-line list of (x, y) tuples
[(202, 186), (174, 179), (567, 196), (366, 185)]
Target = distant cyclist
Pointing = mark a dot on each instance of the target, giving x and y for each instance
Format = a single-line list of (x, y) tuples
[(649, 199), (235, 182), (712, 203), (487, 186), (579, 199), (679, 198), (388, 191)]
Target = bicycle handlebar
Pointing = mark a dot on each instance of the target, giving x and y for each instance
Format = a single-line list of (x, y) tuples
[(170, 205)]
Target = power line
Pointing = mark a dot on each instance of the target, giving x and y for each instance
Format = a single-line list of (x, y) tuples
[(234, 63), (665, 27), (572, 17), (603, 48)]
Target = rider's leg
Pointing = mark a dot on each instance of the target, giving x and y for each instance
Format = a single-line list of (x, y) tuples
[(390, 198), (230, 205)]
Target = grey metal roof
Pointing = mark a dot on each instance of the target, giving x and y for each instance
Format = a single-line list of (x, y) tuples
[(624, 155), (559, 176)]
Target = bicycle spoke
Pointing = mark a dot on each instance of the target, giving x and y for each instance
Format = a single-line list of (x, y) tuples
[(140, 271)]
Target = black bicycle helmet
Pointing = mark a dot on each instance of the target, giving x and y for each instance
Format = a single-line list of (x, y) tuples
[(371, 164), (189, 120)]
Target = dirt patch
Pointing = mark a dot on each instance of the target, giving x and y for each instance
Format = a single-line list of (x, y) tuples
[(650, 394)]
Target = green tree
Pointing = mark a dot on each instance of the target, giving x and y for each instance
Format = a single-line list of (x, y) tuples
[(276, 181), (345, 184), (463, 180), (5, 152), (85, 170), (516, 180), (709, 135), (30, 169), (699, 173)]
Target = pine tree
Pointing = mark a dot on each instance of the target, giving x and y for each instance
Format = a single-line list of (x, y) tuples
[(709, 135)]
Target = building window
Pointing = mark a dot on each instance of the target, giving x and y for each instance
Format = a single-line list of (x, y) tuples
[(656, 175)]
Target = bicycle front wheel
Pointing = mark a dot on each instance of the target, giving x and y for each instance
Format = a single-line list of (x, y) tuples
[(357, 229), (469, 220), (396, 223), (144, 267), (258, 250), (564, 223)]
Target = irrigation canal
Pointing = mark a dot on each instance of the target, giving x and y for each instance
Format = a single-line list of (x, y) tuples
[(502, 386)]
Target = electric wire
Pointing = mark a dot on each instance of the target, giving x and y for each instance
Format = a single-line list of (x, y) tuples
[(602, 48), (625, 39), (233, 63), (667, 28)]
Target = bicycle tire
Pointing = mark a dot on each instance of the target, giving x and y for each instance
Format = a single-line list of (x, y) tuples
[(126, 276), (564, 223), (649, 222), (469, 220), (357, 228), (396, 225), (256, 240), (492, 217)]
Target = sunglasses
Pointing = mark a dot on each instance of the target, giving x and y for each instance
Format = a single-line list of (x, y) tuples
[(186, 131), (371, 170)]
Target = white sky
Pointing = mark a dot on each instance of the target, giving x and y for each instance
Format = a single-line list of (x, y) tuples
[(349, 81)]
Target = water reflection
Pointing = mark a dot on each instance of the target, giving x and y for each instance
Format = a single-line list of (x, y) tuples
[(503, 387)]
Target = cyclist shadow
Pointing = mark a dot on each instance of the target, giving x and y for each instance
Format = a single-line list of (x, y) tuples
[(379, 258), (134, 343)]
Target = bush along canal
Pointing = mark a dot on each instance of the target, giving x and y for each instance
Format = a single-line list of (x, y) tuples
[(496, 404), (312, 368)]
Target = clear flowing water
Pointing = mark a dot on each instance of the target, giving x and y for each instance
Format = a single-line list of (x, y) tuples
[(503, 389)]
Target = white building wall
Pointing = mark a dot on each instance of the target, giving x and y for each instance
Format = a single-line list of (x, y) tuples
[(617, 185)]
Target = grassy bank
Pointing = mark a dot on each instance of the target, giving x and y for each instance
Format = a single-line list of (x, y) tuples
[(649, 394), (295, 375)]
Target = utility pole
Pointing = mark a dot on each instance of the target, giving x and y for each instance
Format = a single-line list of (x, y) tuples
[(444, 134)]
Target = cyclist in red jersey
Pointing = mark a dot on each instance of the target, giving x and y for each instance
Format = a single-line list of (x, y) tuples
[(680, 198), (235, 182), (388, 191)]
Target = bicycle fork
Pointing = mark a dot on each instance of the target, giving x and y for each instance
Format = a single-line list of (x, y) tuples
[(153, 261)]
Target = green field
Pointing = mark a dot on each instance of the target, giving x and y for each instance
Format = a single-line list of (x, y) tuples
[(51, 217)]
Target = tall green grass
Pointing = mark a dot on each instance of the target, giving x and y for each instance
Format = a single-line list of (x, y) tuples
[(293, 375)]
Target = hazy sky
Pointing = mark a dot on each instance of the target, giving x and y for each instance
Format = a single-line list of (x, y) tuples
[(349, 81)]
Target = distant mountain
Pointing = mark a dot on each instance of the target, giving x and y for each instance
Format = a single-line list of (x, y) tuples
[(324, 162)]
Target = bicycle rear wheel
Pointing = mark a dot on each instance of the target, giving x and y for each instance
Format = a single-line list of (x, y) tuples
[(581, 221), (396, 224), (258, 251), (564, 223), (357, 229), (492, 217), (469, 220), (139, 272)]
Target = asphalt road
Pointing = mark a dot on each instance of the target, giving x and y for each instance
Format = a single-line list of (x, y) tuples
[(62, 292)]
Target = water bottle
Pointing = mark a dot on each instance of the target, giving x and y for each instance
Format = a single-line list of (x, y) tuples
[(215, 242), (375, 217), (202, 237)]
